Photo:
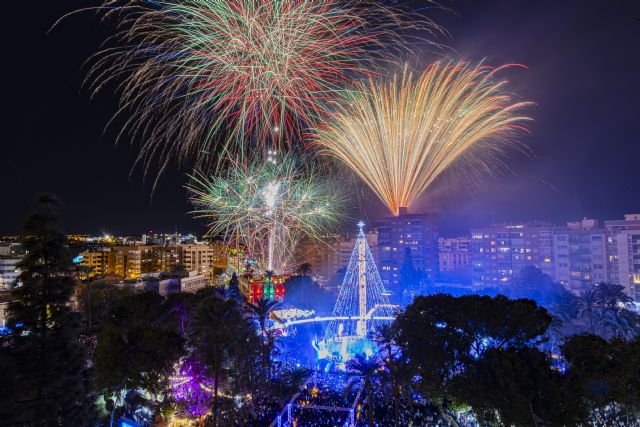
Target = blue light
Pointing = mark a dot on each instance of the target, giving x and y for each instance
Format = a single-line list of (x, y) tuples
[(78, 259)]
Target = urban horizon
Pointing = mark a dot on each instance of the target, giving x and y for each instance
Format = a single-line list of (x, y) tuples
[(320, 213)]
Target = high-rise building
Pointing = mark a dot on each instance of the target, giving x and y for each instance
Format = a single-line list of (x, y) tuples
[(5, 299), (9, 272), (623, 253), (454, 254), (331, 255), (317, 255), (419, 233), (500, 252), (134, 261), (98, 262), (580, 255), (343, 247), (203, 259), (10, 256)]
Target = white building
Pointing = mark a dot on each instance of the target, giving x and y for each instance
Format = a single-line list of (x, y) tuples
[(500, 252), (623, 253), (193, 282), (454, 254), (9, 271), (580, 255)]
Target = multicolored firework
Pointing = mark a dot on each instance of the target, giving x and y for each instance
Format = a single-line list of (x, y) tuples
[(399, 136), (266, 206), (252, 71)]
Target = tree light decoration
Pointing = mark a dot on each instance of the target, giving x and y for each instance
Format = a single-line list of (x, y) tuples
[(191, 389), (361, 307)]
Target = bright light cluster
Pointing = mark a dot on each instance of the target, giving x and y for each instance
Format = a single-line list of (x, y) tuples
[(266, 205)]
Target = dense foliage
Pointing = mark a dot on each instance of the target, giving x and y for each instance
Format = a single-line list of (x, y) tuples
[(44, 368)]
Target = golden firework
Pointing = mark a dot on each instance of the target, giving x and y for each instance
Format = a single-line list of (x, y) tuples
[(400, 135)]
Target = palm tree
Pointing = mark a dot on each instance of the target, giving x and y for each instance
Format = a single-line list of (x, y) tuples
[(613, 301), (566, 309), (553, 334), (612, 296), (216, 328), (261, 311), (385, 338), (589, 306), (233, 289), (367, 369)]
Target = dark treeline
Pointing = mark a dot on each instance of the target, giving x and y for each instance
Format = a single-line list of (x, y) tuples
[(62, 367), (489, 354)]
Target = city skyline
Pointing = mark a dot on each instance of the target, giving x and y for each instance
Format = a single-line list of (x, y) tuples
[(576, 128), (320, 213)]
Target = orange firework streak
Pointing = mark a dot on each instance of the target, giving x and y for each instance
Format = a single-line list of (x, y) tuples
[(400, 135)]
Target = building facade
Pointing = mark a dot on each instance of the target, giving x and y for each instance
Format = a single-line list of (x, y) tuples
[(11, 249), (9, 272), (419, 233), (580, 255), (500, 252), (623, 253), (328, 257), (10, 256), (133, 261), (454, 254)]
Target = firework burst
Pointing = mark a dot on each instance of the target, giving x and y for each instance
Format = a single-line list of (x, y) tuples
[(193, 72), (399, 136), (267, 206)]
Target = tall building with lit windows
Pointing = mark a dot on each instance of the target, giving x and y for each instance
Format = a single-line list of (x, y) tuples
[(500, 252), (419, 233), (623, 253), (580, 255), (454, 254), (9, 272)]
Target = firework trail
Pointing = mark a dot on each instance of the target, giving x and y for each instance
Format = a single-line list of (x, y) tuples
[(400, 135), (266, 206), (195, 72)]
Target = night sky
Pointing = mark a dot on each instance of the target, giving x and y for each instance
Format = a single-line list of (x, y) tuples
[(583, 60)]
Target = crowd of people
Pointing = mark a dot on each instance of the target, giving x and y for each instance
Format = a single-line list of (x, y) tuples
[(329, 390), (613, 416), (326, 400), (310, 417)]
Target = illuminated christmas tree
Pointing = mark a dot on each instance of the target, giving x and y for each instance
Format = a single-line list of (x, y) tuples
[(362, 303)]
